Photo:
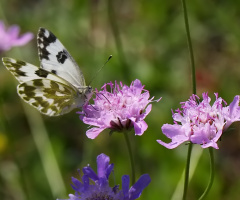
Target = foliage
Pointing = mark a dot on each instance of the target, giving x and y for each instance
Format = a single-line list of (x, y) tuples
[(153, 49)]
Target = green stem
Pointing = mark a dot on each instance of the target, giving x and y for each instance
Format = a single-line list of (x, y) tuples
[(211, 174), (187, 171), (130, 155), (117, 38), (194, 92), (189, 45)]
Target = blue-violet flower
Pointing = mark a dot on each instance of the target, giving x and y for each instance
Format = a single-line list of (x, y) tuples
[(96, 186)]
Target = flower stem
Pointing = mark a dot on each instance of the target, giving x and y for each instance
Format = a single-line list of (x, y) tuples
[(187, 171), (194, 92), (211, 174), (130, 155), (189, 45), (117, 38)]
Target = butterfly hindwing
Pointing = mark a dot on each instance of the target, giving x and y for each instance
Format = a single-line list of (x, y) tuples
[(55, 58), (49, 97)]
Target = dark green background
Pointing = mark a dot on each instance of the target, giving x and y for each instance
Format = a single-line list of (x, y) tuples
[(154, 50)]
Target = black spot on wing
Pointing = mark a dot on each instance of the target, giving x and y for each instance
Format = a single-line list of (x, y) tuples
[(28, 91), (54, 72), (42, 73), (21, 92), (43, 53), (29, 88), (45, 38), (15, 63), (20, 73), (17, 67), (62, 56), (35, 104), (54, 108), (38, 83), (45, 104), (54, 85), (39, 100), (26, 98), (20, 63)]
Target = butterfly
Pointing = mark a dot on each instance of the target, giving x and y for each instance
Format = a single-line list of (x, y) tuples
[(58, 85)]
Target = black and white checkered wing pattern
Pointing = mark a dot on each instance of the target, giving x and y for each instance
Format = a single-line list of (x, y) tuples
[(55, 58), (51, 98), (58, 85), (45, 91), (24, 71)]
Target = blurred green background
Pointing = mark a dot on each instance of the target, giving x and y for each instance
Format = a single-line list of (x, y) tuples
[(39, 154)]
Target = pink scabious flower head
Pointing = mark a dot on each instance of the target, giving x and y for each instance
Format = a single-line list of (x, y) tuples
[(199, 122), (122, 108), (9, 37)]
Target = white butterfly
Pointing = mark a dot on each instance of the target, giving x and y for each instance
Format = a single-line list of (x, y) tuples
[(58, 85)]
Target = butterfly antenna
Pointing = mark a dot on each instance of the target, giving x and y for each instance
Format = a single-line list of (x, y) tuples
[(100, 69), (104, 97)]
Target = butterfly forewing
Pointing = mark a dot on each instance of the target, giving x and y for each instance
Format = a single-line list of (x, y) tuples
[(55, 58), (24, 71), (49, 97)]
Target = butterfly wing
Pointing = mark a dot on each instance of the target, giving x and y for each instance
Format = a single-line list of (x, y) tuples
[(50, 97), (50, 94), (55, 88), (55, 58), (24, 71)]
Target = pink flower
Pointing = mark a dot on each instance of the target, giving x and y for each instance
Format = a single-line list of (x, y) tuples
[(201, 123), (10, 37), (122, 108)]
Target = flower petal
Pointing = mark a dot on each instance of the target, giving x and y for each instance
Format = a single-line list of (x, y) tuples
[(77, 185), (10, 37), (175, 142), (109, 170), (210, 144), (24, 39), (173, 130), (102, 164), (136, 190), (94, 132), (13, 31), (232, 112), (125, 186), (90, 173), (140, 127)]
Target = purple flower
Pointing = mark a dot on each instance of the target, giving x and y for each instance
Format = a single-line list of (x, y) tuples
[(201, 123), (122, 108), (10, 37), (136, 190), (96, 186)]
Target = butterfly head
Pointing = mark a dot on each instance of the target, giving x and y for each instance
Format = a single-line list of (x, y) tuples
[(88, 93), (83, 96)]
